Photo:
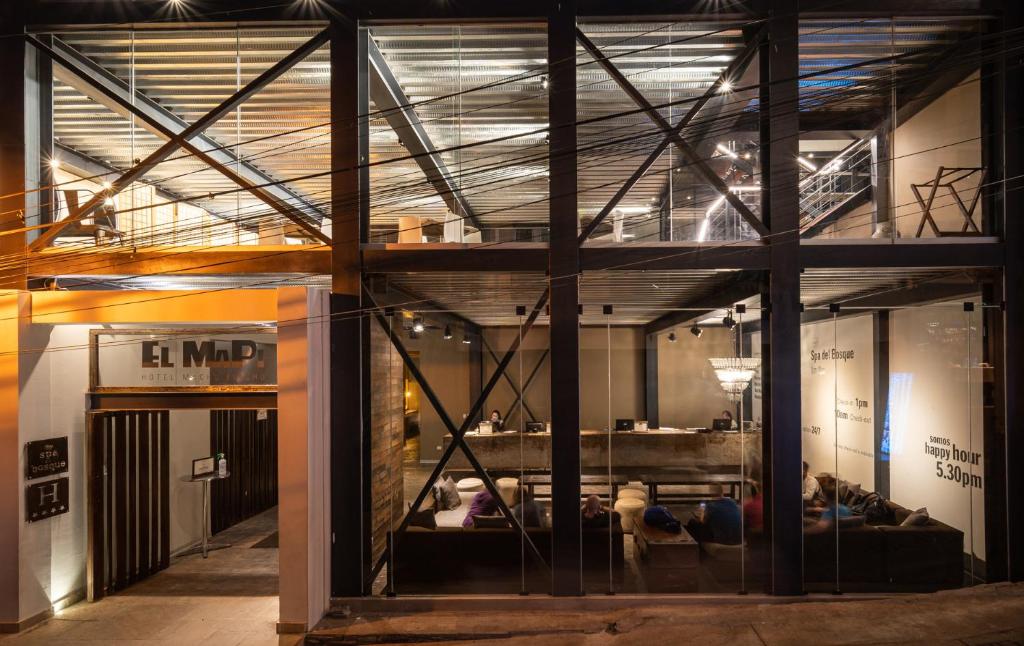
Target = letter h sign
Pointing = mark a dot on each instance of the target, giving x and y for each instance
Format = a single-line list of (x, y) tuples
[(45, 499)]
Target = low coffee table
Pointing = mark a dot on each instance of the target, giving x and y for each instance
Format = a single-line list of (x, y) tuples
[(668, 562)]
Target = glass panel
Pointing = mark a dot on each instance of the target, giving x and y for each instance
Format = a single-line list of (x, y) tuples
[(893, 433), (703, 80), (890, 119), (480, 94)]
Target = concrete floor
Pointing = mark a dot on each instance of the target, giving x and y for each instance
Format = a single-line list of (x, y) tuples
[(228, 599), (986, 615)]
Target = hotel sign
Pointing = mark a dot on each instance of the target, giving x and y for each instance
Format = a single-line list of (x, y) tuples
[(46, 499), (185, 359)]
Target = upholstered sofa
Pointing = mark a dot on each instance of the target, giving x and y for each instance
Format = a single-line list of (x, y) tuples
[(487, 560)]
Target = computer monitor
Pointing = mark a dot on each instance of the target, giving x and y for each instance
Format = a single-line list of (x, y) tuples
[(624, 424), (535, 427), (721, 424)]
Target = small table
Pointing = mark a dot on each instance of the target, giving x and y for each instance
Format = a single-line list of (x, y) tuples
[(205, 545), (694, 477), (617, 480), (668, 562)]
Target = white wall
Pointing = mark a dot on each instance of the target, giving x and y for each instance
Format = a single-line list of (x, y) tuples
[(838, 397), (689, 394), (935, 403), (190, 439), (53, 387)]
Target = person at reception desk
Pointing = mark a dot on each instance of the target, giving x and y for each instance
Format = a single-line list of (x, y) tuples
[(497, 424), (718, 520)]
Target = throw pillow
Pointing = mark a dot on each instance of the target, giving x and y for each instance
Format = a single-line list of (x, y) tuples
[(852, 490), (490, 522), (916, 518), (423, 518), (447, 494)]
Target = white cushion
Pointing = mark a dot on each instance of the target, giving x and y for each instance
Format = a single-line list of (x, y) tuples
[(635, 494), (630, 510), (470, 484), (507, 489)]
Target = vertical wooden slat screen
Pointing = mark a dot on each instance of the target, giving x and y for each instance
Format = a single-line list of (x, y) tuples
[(250, 446), (129, 497)]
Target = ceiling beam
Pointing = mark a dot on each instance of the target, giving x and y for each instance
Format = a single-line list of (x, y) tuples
[(390, 99), (734, 289)]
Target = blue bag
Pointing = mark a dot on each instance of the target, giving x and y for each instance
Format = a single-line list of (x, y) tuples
[(660, 517)]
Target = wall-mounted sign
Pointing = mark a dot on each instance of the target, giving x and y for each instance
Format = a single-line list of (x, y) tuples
[(184, 358), (46, 499), (46, 457)]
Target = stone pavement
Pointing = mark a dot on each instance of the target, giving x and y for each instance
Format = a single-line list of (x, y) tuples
[(228, 599), (987, 615)]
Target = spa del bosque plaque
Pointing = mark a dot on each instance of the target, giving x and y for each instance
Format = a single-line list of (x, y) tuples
[(46, 457)]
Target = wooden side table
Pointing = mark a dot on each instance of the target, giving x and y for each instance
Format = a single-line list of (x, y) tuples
[(667, 561)]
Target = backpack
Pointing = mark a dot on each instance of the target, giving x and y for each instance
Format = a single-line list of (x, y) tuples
[(877, 512), (659, 516)]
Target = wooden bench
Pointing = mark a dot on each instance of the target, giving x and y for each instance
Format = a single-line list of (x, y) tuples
[(689, 477), (617, 480)]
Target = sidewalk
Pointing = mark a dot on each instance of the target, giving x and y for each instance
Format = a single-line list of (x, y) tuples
[(986, 615)]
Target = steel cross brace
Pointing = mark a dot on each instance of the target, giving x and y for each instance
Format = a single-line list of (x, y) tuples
[(457, 433), (512, 384), (672, 134), (181, 140)]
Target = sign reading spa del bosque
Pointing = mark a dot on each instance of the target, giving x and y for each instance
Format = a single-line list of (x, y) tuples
[(129, 359)]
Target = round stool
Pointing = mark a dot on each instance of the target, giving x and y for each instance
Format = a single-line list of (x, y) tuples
[(470, 485), (636, 494), (507, 489), (631, 510)]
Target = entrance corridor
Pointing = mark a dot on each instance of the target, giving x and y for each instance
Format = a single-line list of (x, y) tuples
[(228, 599)]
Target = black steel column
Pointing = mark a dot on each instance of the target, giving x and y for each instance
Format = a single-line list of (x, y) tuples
[(881, 368), (350, 333), (993, 347), (651, 380), (1013, 278), (783, 425), (564, 266), (43, 78)]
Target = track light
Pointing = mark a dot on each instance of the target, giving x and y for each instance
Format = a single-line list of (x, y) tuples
[(447, 333), (725, 86), (417, 325), (672, 337), (696, 330), (465, 339), (544, 82), (729, 321)]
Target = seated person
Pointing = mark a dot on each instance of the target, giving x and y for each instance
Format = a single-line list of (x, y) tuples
[(594, 514), (497, 424), (812, 489), (526, 510), (727, 415), (483, 504), (753, 507), (832, 511), (719, 522)]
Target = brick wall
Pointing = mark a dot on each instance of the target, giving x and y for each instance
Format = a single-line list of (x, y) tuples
[(387, 412)]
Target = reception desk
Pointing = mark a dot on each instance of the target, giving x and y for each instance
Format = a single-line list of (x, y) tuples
[(660, 448)]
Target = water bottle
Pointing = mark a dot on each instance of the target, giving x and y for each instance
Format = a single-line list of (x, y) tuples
[(222, 465)]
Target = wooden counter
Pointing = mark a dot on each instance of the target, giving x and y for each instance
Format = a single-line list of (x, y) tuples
[(630, 449)]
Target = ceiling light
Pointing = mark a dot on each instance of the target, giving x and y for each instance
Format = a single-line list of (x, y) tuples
[(544, 82), (447, 333), (729, 321), (725, 151), (417, 325), (672, 337), (465, 339), (746, 155), (106, 185), (696, 330), (810, 155), (54, 163), (725, 86), (806, 164)]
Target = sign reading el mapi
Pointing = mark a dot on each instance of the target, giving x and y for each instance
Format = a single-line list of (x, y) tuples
[(133, 359)]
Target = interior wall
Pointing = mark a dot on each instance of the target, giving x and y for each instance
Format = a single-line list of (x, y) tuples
[(189, 440), (837, 382), (689, 394), (946, 132)]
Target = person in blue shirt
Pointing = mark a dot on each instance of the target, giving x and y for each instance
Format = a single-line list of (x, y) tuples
[(719, 522), (833, 509)]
